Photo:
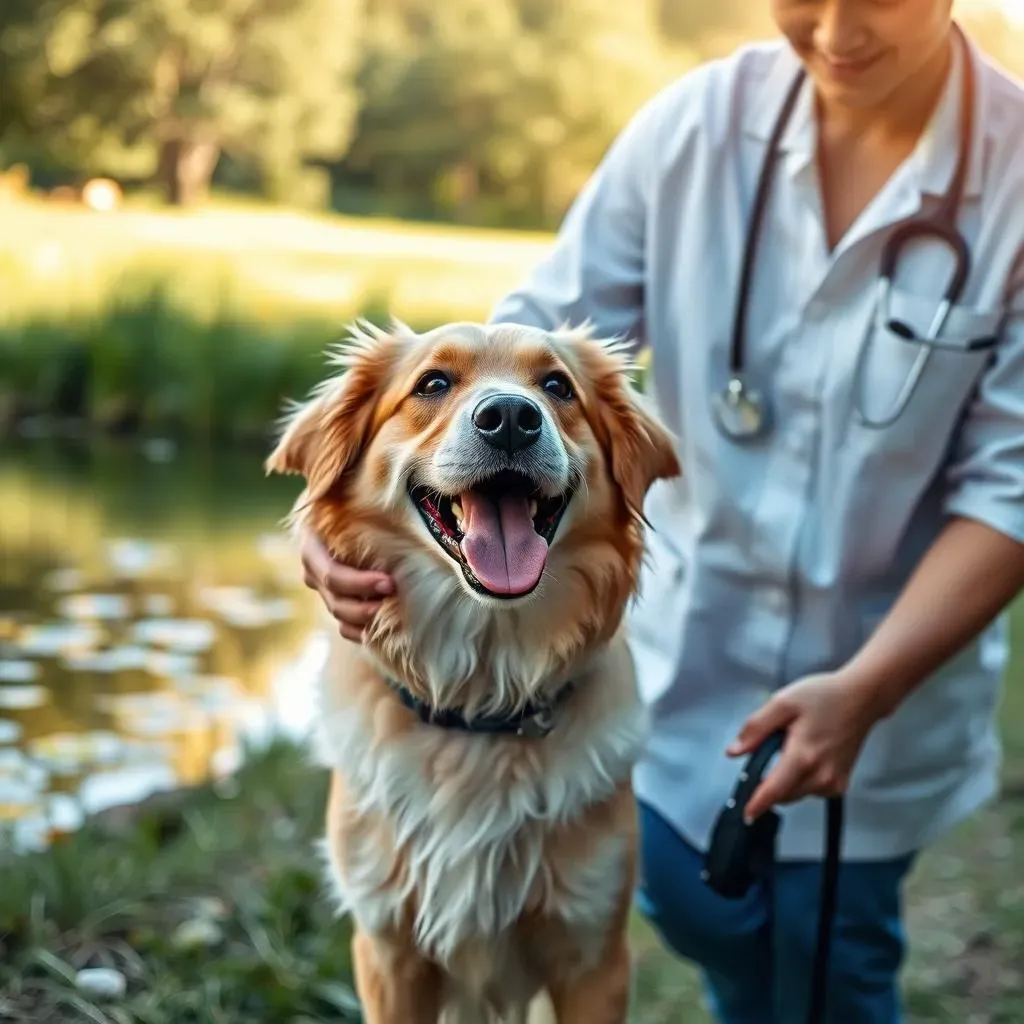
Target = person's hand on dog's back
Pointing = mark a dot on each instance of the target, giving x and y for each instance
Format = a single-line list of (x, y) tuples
[(350, 595)]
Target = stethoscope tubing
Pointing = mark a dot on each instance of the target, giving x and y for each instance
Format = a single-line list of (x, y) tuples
[(940, 225)]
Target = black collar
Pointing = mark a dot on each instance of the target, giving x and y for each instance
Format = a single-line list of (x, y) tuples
[(534, 721)]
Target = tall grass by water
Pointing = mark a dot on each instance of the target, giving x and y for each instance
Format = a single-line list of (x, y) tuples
[(200, 324)]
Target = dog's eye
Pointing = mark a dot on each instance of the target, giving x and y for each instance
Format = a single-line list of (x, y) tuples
[(557, 384), (433, 382)]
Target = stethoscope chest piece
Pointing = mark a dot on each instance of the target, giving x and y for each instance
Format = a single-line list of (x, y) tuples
[(741, 412)]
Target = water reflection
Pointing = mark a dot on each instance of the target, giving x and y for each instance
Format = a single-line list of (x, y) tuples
[(151, 616)]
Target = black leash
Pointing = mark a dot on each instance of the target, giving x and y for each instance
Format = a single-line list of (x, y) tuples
[(739, 854), (816, 1011)]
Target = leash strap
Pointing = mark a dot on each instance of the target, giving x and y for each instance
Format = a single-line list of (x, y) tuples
[(817, 1008)]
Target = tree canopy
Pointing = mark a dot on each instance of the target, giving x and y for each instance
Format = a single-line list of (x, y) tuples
[(486, 111)]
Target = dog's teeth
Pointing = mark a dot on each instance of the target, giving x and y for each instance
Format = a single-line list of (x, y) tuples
[(533, 506)]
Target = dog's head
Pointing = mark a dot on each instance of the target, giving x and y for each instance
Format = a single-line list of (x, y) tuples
[(512, 460)]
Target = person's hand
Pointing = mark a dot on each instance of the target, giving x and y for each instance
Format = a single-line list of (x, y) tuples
[(827, 718), (352, 596)]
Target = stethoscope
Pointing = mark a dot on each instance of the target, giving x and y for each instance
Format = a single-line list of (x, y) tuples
[(744, 412)]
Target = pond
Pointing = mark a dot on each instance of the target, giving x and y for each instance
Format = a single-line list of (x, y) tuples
[(152, 621)]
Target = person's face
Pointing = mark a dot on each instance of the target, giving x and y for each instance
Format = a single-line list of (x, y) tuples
[(860, 52)]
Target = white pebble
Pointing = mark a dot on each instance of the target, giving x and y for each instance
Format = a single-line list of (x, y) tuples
[(200, 932), (104, 982)]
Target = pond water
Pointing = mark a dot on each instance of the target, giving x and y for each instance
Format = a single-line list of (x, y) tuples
[(152, 620)]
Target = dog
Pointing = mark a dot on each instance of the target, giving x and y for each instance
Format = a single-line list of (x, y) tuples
[(481, 827)]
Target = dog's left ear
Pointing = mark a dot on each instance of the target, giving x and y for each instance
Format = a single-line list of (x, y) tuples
[(324, 437), (638, 446)]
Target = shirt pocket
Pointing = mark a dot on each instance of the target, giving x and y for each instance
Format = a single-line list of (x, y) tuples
[(891, 375)]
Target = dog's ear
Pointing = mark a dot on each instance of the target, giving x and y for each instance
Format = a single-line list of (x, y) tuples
[(323, 437), (638, 447)]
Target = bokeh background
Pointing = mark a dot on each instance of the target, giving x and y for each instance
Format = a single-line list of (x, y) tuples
[(195, 196)]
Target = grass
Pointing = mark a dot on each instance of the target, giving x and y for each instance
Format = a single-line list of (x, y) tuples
[(212, 904), (200, 324)]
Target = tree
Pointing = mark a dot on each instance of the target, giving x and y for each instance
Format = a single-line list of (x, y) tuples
[(162, 87), (504, 102), (713, 30)]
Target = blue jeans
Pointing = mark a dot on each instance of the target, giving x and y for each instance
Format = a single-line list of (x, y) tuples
[(756, 953)]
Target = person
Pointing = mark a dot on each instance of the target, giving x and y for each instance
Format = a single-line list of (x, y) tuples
[(845, 575)]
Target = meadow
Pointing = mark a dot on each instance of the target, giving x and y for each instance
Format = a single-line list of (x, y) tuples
[(198, 324)]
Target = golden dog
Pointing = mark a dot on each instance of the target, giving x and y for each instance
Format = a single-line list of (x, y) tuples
[(481, 825)]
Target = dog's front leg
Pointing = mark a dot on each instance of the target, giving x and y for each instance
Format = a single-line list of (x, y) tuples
[(394, 985), (597, 996)]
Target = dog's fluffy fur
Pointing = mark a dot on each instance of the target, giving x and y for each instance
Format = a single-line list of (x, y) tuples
[(481, 869)]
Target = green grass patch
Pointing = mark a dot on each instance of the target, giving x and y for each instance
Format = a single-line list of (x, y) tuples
[(149, 364), (236, 863), (212, 905)]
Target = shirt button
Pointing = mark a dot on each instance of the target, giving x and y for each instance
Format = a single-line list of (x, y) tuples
[(776, 598)]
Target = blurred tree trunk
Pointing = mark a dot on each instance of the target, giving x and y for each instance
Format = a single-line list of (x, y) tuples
[(467, 190), (186, 169)]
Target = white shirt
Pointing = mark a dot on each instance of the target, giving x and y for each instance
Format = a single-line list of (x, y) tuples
[(777, 559)]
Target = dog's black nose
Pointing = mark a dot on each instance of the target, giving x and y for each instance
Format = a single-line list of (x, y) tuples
[(508, 422)]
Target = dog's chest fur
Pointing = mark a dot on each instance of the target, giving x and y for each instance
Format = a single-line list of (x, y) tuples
[(456, 836)]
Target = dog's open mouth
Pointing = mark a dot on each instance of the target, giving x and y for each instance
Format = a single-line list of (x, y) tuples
[(499, 531)]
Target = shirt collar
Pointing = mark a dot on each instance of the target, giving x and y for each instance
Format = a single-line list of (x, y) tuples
[(934, 157)]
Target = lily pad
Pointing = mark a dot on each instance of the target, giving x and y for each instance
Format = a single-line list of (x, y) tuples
[(170, 665), (134, 558), (212, 693), (18, 671), (162, 723), (124, 786), (15, 765), (63, 579), (22, 698), (17, 798), (158, 604), (71, 751), (10, 732), (190, 635), (114, 659), (47, 641), (241, 607), (107, 607)]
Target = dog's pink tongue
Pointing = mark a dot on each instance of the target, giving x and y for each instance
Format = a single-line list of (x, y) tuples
[(504, 551)]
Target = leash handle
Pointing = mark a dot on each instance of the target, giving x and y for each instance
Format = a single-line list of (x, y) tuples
[(739, 854)]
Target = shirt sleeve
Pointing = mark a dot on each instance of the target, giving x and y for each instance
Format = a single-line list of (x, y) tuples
[(596, 268), (986, 474)]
